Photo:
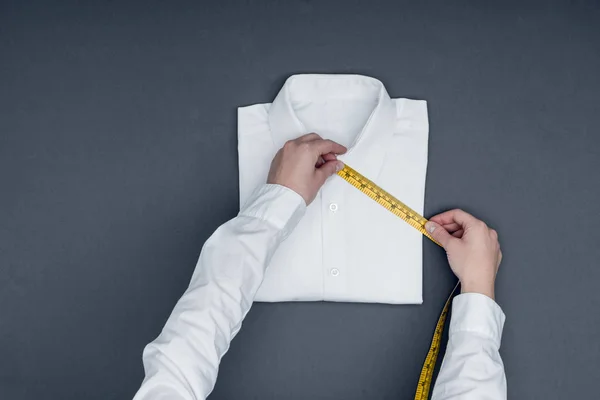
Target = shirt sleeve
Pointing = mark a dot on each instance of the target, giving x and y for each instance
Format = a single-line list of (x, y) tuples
[(472, 367), (182, 363)]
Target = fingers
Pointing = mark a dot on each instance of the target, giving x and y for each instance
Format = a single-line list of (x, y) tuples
[(439, 234), (321, 146), (455, 216), (329, 157), (459, 233), (328, 169), (309, 137), (326, 146), (324, 158), (452, 227)]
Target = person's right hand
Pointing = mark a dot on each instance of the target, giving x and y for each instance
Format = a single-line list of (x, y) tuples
[(472, 247), (304, 164)]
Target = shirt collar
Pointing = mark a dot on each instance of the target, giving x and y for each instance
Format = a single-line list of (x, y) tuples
[(367, 151)]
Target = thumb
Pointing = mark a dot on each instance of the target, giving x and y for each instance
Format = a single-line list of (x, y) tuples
[(329, 168), (440, 234)]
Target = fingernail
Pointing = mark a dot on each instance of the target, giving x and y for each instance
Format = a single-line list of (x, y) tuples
[(430, 226), (339, 166)]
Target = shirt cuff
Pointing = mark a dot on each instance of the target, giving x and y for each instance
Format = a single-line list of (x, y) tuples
[(276, 204), (477, 313)]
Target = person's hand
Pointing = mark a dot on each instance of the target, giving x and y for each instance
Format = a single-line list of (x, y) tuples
[(472, 248), (304, 164)]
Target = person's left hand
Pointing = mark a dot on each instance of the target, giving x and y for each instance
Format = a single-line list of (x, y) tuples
[(304, 164)]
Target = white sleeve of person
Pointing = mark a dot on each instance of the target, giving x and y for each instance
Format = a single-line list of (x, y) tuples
[(472, 367), (182, 363)]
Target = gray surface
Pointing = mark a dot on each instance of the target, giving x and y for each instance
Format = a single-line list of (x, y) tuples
[(111, 117)]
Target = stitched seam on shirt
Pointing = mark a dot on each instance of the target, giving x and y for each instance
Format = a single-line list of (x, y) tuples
[(322, 248)]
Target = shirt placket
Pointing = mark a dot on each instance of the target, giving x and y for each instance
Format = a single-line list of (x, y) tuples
[(335, 269)]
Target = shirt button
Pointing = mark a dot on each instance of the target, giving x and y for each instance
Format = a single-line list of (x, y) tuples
[(333, 207), (334, 272)]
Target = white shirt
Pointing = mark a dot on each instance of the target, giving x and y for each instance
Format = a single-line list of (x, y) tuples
[(182, 363), (334, 254)]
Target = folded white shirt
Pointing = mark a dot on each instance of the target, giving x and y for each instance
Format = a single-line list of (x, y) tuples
[(347, 247)]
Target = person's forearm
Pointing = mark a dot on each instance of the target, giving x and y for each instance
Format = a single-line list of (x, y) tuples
[(472, 367), (182, 363)]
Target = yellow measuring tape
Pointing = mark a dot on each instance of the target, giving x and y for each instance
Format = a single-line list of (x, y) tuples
[(418, 222)]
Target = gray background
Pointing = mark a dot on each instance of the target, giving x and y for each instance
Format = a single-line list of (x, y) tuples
[(118, 159)]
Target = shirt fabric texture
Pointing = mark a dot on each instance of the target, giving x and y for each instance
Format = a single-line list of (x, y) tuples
[(347, 247), (183, 361)]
